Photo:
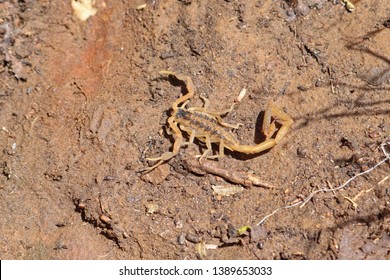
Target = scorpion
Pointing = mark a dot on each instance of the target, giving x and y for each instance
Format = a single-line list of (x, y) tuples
[(207, 126)]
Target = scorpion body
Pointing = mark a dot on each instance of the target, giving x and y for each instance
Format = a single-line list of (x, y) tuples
[(208, 126)]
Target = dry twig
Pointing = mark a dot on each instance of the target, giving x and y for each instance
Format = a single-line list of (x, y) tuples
[(243, 178)]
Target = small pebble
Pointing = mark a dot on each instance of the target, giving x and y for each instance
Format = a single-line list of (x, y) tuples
[(290, 14), (139, 109), (151, 208), (302, 152), (192, 238), (158, 175), (105, 219), (181, 239), (178, 223), (231, 231), (302, 10)]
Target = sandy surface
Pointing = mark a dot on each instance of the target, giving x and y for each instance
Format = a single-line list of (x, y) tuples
[(82, 106)]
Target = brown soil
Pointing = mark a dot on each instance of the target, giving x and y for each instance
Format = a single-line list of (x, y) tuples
[(82, 105)]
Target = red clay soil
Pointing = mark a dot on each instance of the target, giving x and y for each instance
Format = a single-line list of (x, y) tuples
[(82, 106)]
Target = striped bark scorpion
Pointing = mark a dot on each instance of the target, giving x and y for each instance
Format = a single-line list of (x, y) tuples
[(207, 126)]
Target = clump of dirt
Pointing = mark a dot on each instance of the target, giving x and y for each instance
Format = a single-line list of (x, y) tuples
[(82, 107)]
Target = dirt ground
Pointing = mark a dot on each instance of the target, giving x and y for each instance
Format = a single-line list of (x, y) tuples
[(82, 106)]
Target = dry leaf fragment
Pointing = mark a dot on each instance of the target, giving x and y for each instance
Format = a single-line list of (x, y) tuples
[(227, 190)]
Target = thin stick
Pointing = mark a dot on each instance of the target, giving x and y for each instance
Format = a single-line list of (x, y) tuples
[(243, 178)]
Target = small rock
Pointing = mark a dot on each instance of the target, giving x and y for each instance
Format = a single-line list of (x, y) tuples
[(192, 238), (186, 2), (181, 239), (168, 54), (302, 9), (258, 233), (158, 175), (105, 219), (316, 3), (139, 109), (178, 223), (302, 152), (231, 232), (290, 14), (151, 208), (303, 87)]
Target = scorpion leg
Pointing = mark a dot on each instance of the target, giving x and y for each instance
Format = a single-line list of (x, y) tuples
[(217, 114), (208, 150), (221, 122), (221, 151), (211, 112), (188, 83), (176, 146), (192, 138)]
